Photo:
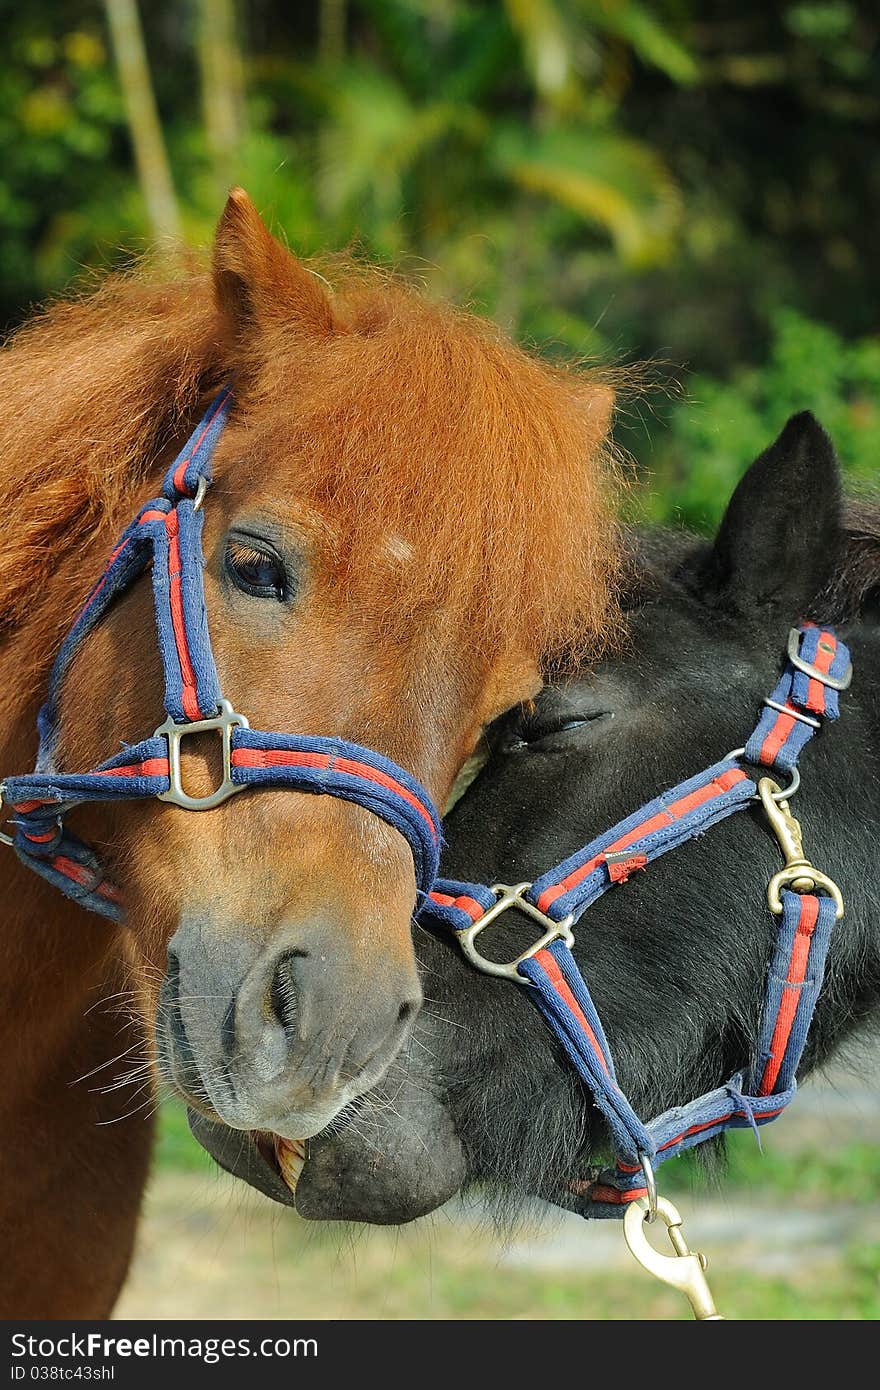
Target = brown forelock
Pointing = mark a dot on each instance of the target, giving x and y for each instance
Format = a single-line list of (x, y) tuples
[(392, 418), (415, 430)]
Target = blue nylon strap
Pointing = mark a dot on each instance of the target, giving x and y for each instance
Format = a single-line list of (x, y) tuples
[(130, 558), (179, 567), (684, 1127), (793, 690), (99, 785), (585, 1046), (354, 773), (447, 913), (371, 781), (739, 1104), (142, 541), (679, 827), (193, 463), (723, 802), (788, 985), (74, 869)]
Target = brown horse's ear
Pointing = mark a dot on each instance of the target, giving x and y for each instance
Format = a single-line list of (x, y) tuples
[(259, 282)]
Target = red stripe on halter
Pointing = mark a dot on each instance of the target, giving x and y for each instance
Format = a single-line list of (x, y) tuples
[(791, 991), (283, 757), (151, 515), (180, 470), (84, 876), (382, 779), (473, 909), (102, 581), (150, 767), (189, 695), (825, 654), (277, 757), (780, 731), (70, 869), (615, 1197), (558, 981), (672, 812), (699, 1129)]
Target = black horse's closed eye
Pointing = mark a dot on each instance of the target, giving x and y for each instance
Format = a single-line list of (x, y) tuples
[(257, 569), (551, 728)]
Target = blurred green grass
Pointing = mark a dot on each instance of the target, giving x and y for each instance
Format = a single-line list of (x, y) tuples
[(441, 1269)]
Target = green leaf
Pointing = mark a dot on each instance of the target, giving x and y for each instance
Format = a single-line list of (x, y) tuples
[(648, 37), (608, 179), (547, 45), (376, 135)]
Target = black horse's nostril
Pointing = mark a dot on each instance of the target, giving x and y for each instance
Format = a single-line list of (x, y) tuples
[(406, 1011), (283, 992)]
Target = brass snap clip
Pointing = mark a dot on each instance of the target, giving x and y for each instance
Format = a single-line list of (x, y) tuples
[(798, 874), (685, 1270)]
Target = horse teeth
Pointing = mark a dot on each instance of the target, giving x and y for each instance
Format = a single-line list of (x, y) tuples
[(290, 1155)]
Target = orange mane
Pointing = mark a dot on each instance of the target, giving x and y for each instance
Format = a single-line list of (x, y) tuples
[(480, 463)]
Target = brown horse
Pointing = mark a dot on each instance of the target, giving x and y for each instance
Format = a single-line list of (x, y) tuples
[(409, 515)]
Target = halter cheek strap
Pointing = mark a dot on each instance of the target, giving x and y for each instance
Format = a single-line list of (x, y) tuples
[(167, 535), (817, 669)]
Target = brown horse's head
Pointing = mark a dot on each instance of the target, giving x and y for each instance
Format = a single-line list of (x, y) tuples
[(407, 516)]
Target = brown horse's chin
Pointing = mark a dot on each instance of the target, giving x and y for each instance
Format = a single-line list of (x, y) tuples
[(386, 1168)]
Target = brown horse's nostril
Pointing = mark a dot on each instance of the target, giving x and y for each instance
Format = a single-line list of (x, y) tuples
[(283, 993), (279, 1034)]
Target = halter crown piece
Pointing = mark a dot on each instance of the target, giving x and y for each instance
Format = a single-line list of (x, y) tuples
[(818, 666), (168, 532)]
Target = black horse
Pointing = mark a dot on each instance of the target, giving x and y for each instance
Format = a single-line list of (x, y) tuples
[(676, 960)]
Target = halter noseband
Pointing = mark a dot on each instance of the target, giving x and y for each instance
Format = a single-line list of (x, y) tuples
[(168, 532), (817, 668)]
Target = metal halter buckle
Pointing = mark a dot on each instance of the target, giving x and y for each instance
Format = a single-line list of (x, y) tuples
[(794, 656), (173, 733), (512, 896)]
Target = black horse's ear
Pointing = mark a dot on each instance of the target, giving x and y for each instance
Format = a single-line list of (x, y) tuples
[(780, 537)]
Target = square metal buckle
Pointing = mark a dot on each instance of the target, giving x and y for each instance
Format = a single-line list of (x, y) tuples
[(174, 733), (794, 656), (512, 896)]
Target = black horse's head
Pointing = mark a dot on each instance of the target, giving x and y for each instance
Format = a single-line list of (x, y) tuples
[(676, 959)]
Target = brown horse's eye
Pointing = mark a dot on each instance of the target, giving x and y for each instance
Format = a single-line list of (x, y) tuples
[(256, 569)]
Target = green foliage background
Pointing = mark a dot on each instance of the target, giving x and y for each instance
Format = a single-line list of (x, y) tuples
[(682, 181)]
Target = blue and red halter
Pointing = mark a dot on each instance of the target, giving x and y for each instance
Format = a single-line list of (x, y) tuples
[(818, 666), (167, 532)]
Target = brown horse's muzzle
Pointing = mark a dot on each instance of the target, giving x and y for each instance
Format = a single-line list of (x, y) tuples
[(279, 1034)]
